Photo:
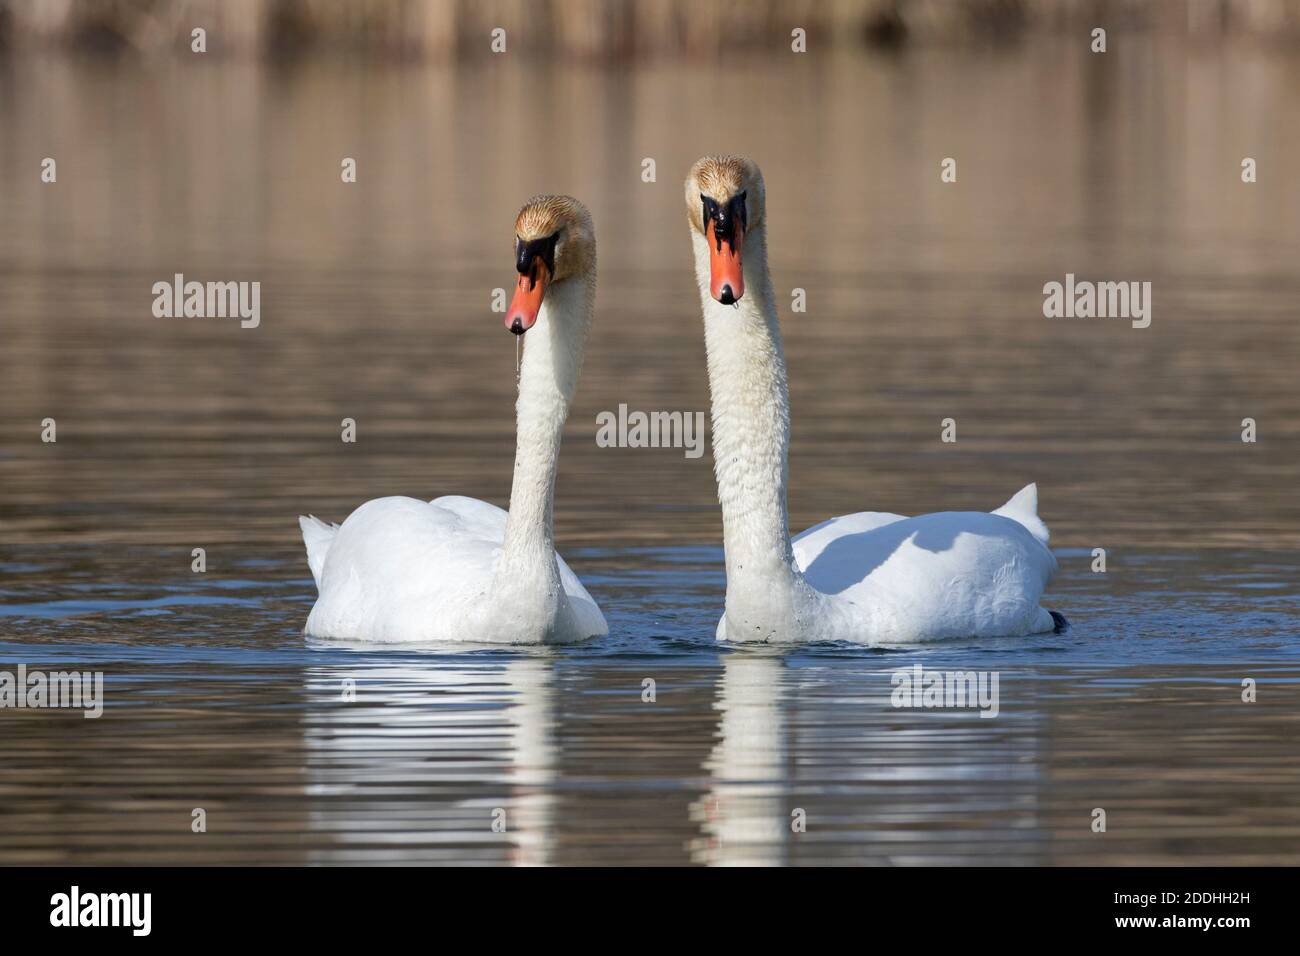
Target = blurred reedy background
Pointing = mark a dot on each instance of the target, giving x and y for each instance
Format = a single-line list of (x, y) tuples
[(924, 298), (606, 29)]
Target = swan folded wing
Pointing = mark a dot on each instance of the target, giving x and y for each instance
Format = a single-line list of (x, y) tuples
[(476, 517), (400, 566), (590, 619), (938, 575), (414, 549), (808, 545)]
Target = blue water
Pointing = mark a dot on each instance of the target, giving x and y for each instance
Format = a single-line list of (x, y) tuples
[(1225, 606), (214, 699)]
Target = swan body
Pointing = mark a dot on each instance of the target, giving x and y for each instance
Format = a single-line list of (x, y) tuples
[(949, 574), (459, 569), (866, 577), (363, 572)]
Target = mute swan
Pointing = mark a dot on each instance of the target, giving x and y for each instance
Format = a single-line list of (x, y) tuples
[(459, 569), (864, 577)]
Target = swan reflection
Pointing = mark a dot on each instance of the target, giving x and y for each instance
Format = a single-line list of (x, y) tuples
[(744, 816), (878, 785), (446, 758)]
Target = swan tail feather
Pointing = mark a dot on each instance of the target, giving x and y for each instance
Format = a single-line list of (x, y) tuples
[(317, 535), (1049, 622), (1023, 508)]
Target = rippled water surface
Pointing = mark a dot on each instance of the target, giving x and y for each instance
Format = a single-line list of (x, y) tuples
[(924, 302)]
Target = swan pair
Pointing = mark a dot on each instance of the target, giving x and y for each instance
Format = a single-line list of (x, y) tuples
[(459, 569)]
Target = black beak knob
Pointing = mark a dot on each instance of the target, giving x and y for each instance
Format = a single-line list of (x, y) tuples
[(517, 327), (728, 297)]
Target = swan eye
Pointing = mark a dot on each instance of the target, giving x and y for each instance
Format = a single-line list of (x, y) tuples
[(527, 252), (735, 208), (552, 246), (710, 208)]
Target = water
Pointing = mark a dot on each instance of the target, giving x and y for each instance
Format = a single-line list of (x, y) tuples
[(924, 303)]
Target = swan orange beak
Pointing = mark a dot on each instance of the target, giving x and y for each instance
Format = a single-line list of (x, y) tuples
[(726, 274), (527, 303)]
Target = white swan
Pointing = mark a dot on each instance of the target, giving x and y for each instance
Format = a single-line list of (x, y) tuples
[(459, 569), (868, 577)]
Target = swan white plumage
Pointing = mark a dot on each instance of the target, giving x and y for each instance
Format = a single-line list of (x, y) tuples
[(459, 569), (867, 577)]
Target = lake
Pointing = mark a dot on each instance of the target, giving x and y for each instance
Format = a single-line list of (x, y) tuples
[(924, 303)]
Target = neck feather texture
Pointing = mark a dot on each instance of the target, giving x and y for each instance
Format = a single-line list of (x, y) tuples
[(751, 436), (527, 573)]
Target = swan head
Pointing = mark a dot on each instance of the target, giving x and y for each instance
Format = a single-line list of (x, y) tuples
[(554, 242), (724, 200)]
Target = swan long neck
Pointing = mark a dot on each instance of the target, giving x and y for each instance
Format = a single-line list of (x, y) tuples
[(527, 570), (751, 437)]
